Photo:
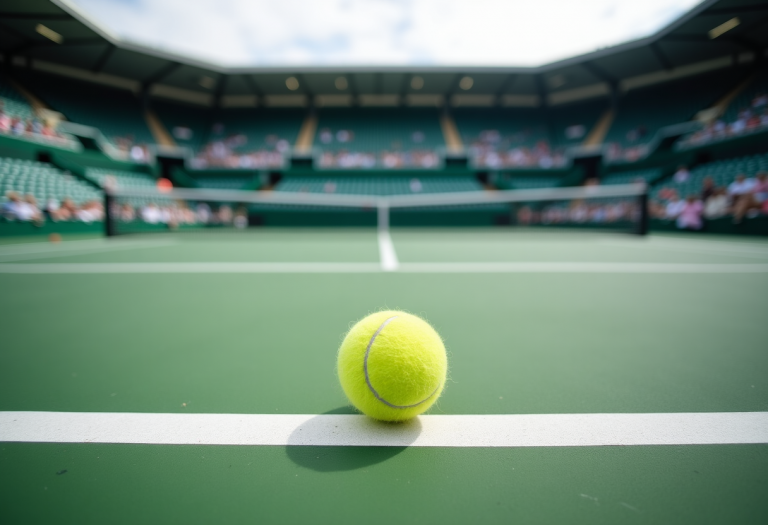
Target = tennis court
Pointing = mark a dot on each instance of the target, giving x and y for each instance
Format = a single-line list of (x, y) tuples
[(642, 337)]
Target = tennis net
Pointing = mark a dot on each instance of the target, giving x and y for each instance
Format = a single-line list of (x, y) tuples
[(619, 208)]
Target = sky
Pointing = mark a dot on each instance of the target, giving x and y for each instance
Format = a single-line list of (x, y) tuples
[(338, 33)]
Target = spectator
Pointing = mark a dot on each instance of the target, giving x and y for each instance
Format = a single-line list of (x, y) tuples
[(741, 186), (67, 211), (690, 214), (674, 207), (151, 213), (127, 213), (31, 210), (5, 122), (10, 206), (51, 208), (760, 191), (681, 175), (708, 188), (750, 202), (740, 192), (716, 205)]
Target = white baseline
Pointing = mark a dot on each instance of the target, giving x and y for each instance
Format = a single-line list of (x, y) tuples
[(388, 265), (525, 430)]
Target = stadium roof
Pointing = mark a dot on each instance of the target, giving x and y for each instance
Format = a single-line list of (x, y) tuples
[(56, 37)]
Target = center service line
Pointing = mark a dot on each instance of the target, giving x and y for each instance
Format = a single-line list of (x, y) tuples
[(524, 430), (387, 254)]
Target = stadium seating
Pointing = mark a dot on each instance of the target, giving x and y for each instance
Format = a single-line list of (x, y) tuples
[(642, 112), (746, 114), (13, 103), (43, 182), (393, 137), (372, 185), (124, 179), (571, 123), (744, 100), (263, 128), (507, 182), (378, 129), (226, 183), (723, 172), (117, 113), (648, 176), (188, 125), (502, 128), (507, 138), (248, 138)]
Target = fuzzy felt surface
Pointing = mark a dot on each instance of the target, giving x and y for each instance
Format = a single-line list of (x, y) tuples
[(407, 366)]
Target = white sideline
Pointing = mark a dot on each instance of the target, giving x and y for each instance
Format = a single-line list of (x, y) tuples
[(444, 267), (532, 430), (387, 254)]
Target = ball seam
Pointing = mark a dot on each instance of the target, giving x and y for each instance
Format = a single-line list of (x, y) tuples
[(368, 379)]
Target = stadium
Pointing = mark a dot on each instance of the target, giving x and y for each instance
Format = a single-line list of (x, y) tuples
[(186, 239)]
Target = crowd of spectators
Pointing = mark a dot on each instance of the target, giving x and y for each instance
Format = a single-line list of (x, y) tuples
[(748, 120), (176, 213), (745, 197), (491, 150), (580, 211), (129, 147), (33, 128), (410, 155), (24, 208), (234, 152), (384, 159)]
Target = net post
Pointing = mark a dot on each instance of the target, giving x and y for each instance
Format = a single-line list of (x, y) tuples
[(642, 222), (109, 220), (383, 215)]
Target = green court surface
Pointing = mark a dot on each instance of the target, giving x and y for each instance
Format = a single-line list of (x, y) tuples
[(249, 323)]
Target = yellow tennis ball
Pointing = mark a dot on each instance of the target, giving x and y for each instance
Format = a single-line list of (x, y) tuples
[(392, 365)]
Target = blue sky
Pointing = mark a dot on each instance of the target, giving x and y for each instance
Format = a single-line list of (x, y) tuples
[(338, 33)]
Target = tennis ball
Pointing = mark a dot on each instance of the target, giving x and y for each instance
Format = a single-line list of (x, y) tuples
[(392, 365)]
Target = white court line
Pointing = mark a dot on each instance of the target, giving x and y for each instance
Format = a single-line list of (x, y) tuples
[(531, 430), (463, 267), (387, 254), (92, 268), (580, 267)]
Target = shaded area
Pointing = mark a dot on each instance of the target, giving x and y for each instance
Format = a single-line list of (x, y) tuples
[(341, 458), (334, 459)]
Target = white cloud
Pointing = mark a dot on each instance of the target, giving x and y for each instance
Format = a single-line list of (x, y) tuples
[(383, 32)]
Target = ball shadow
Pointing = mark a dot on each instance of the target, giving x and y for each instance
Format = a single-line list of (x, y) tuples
[(352, 427)]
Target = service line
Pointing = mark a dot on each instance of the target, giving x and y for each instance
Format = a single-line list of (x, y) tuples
[(524, 430)]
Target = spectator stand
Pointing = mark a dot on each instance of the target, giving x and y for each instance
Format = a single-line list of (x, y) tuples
[(645, 116), (372, 138), (746, 116), (249, 138), (20, 121), (702, 183), (116, 113)]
